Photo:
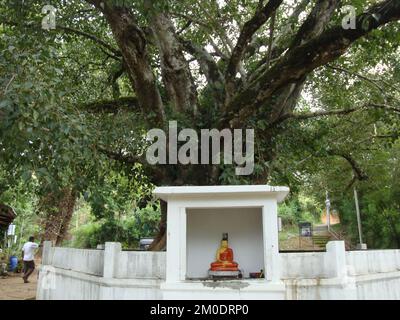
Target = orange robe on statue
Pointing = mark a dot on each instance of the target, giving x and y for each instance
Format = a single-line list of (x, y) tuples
[(224, 260)]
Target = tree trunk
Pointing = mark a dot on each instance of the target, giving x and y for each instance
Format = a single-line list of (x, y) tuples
[(66, 208), (160, 241), (58, 209)]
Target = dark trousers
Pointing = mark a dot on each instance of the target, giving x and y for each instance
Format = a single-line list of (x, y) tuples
[(29, 267)]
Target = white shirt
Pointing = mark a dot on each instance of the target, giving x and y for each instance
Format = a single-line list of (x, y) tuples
[(29, 251)]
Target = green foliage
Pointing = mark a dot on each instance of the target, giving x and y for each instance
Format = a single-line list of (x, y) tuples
[(379, 201), (140, 223), (298, 209)]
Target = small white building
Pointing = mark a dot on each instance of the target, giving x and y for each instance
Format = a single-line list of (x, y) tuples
[(196, 219)]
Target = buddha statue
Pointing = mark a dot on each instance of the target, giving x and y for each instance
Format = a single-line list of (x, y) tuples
[(224, 257)]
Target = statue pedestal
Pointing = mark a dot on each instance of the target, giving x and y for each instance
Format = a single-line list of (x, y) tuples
[(224, 274)]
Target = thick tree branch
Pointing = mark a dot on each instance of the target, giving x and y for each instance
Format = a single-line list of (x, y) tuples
[(213, 27), (303, 59), (250, 27), (156, 173), (116, 54), (312, 27), (358, 172), (277, 47), (271, 39), (176, 74), (133, 45), (316, 21), (208, 67)]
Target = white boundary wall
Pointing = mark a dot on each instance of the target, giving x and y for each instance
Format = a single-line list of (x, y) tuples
[(84, 261), (75, 274), (114, 274)]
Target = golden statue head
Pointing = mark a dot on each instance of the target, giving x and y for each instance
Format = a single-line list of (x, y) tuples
[(224, 242)]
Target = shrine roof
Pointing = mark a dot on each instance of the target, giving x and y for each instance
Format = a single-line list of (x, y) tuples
[(241, 190)]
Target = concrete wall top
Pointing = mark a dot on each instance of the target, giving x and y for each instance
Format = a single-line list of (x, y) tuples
[(185, 192), (80, 260), (141, 265), (303, 265), (373, 261)]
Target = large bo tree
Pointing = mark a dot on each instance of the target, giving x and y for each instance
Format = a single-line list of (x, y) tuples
[(240, 84), (239, 88)]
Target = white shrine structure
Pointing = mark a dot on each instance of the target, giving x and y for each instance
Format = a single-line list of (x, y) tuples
[(196, 219)]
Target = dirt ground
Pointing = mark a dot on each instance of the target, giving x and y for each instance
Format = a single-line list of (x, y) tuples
[(13, 287)]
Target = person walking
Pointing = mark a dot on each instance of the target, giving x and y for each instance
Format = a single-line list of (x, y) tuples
[(28, 256)]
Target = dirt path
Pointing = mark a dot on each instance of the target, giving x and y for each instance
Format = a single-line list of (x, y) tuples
[(13, 287)]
